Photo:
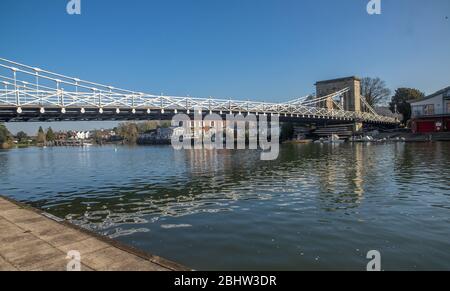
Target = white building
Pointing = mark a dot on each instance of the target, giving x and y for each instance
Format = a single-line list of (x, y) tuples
[(83, 135), (435, 104), (432, 113)]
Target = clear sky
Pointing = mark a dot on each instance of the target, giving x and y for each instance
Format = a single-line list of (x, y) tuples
[(269, 50)]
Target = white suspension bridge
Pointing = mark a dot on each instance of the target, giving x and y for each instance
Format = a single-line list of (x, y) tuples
[(29, 93)]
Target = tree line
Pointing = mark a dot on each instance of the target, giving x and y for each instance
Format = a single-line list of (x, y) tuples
[(42, 137), (376, 93), (130, 131), (127, 132)]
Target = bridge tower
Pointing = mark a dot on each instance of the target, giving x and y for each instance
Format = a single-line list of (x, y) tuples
[(350, 101)]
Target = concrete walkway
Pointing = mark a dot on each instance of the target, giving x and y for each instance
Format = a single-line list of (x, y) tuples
[(32, 240)]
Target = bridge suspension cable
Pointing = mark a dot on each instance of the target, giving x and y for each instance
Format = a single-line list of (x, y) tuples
[(367, 105), (27, 87)]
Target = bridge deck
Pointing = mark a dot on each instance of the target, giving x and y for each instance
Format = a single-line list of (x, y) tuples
[(32, 240), (27, 93)]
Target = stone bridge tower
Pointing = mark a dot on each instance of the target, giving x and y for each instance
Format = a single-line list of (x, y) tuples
[(351, 101)]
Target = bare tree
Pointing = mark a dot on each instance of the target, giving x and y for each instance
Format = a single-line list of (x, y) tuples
[(375, 90)]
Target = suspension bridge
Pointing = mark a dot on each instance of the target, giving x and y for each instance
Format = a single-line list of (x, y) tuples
[(30, 93)]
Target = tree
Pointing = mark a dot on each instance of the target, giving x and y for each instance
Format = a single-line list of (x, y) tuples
[(400, 102), (375, 90), (147, 126), (97, 136), (165, 124), (128, 132), (50, 136), (22, 137), (40, 136), (5, 137)]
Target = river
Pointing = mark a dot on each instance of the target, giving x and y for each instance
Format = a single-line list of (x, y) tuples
[(317, 207)]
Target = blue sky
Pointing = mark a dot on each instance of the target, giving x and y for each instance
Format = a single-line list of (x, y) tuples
[(269, 50)]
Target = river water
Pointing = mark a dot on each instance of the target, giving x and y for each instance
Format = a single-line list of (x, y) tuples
[(318, 207)]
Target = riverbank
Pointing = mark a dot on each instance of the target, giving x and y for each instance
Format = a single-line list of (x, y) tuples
[(388, 136), (416, 137), (33, 240), (5, 146), (228, 210)]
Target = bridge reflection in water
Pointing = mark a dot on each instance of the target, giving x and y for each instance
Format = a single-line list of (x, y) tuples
[(205, 181), (316, 207)]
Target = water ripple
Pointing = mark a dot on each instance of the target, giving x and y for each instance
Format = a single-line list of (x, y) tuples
[(228, 209)]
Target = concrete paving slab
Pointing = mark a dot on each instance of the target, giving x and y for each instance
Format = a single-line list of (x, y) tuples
[(31, 240), (85, 247), (6, 266), (113, 259)]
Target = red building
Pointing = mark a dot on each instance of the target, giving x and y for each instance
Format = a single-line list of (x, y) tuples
[(432, 113)]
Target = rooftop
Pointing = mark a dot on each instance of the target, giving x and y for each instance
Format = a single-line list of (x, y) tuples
[(351, 78), (442, 91)]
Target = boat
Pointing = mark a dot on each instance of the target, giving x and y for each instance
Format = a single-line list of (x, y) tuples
[(335, 139)]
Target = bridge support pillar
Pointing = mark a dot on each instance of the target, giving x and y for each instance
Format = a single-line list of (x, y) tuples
[(351, 100), (357, 126)]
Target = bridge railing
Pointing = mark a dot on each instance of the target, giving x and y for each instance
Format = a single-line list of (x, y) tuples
[(23, 98), (22, 86)]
